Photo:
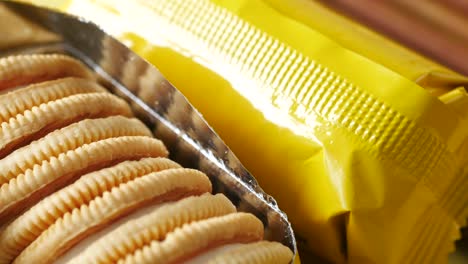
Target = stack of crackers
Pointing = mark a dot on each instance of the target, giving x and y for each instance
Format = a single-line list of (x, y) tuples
[(82, 181)]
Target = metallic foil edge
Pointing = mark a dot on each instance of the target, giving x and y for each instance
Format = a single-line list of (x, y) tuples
[(190, 140)]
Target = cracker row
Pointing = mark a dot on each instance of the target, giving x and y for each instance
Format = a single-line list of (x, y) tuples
[(194, 238), (157, 187), (26, 189), (137, 233), (27, 227), (40, 120), (27, 69), (18, 101), (68, 138), (263, 252)]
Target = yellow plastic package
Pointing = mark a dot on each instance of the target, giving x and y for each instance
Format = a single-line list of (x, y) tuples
[(333, 120)]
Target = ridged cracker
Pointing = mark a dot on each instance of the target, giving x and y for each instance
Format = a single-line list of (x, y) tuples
[(194, 238), (27, 69), (68, 138), (137, 233), (167, 185), (27, 227), (47, 117), (26, 189), (173, 232), (18, 101), (263, 252)]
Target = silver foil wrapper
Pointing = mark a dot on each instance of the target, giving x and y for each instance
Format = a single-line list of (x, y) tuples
[(190, 140)]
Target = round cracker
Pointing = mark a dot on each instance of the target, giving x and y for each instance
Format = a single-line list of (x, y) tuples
[(18, 101), (26, 228), (157, 187), (68, 138), (27, 69), (26, 189), (194, 238), (263, 252), (137, 233), (40, 120)]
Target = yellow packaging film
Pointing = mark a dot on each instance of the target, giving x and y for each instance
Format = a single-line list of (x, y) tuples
[(361, 142)]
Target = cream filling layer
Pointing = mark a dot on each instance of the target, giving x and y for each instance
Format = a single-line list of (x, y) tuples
[(201, 258), (87, 242)]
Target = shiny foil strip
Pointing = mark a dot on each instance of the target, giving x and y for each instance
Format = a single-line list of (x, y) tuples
[(190, 140)]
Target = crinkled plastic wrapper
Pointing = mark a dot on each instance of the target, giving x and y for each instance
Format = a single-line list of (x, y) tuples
[(362, 142)]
